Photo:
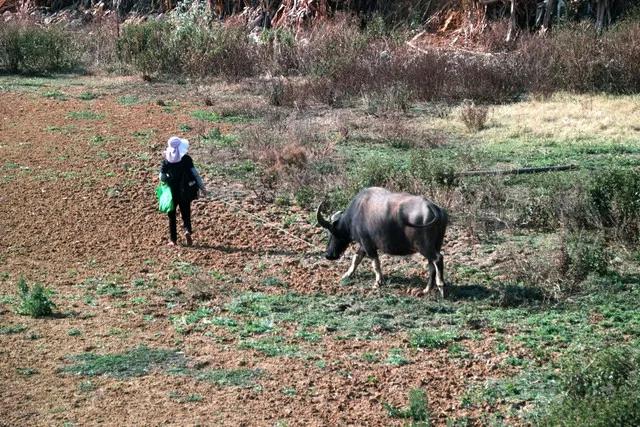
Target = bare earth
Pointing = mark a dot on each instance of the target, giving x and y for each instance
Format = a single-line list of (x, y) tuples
[(73, 207)]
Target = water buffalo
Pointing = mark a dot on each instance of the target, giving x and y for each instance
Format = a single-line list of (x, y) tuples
[(392, 223)]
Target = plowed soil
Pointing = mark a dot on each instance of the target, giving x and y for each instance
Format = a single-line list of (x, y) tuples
[(77, 203)]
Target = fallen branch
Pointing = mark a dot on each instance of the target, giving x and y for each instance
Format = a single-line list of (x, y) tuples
[(520, 171)]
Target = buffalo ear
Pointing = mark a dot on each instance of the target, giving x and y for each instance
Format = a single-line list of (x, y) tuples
[(336, 217)]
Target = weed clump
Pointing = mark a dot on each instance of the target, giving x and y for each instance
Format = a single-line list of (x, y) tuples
[(35, 302)]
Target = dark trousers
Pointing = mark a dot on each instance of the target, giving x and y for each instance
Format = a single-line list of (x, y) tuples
[(185, 212)]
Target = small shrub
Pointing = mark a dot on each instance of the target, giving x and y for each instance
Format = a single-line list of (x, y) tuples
[(378, 172), (474, 116), (282, 92), (305, 196), (615, 195), (393, 98), (518, 295), (432, 170), (586, 255), (418, 410), (35, 302)]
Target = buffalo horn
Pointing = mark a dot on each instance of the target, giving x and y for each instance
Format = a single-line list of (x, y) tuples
[(323, 222)]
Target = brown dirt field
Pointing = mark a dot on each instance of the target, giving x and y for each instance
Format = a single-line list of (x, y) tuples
[(72, 209)]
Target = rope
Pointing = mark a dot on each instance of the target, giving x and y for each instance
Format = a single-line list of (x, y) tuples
[(264, 221)]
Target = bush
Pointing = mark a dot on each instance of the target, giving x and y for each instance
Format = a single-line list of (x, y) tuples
[(35, 50), (218, 50), (378, 171), (392, 98), (191, 49), (35, 302), (146, 47), (432, 170), (615, 195), (601, 390), (585, 255), (473, 116), (574, 58)]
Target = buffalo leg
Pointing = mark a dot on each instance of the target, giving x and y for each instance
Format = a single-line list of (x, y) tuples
[(439, 266), (375, 263), (435, 265), (355, 262), (431, 277)]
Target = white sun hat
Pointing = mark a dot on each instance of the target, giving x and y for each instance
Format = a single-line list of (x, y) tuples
[(176, 149)]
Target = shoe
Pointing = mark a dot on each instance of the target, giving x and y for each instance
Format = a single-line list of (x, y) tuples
[(188, 238)]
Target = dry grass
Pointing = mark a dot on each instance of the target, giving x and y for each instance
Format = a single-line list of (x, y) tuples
[(562, 117)]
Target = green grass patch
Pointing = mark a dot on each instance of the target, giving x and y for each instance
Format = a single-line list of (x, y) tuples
[(12, 329), (221, 377), (137, 362), (348, 315), (55, 94), (85, 115), (182, 398), (27, 372), (270, 347), (239, 169), (229, 377), (598, 390), (212, 116), (88, 96), (370, 357), (432, 338), (182, 322), (397, 357), (273, 281), (183, 269), (128, 100), (417, 411), (64, 130), (215, 138), (111, 289)]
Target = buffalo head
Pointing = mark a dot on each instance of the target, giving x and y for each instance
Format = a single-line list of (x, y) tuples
[(339, 238)]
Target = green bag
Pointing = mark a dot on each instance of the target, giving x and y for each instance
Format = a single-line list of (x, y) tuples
[(165, 198)]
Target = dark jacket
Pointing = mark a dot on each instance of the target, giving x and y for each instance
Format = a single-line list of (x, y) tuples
[(183, 179)]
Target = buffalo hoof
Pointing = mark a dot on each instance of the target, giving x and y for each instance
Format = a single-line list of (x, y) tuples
[(415, 292)]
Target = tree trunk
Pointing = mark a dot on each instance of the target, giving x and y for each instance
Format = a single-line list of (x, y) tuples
[(546, 24), (512, 22), (602, 12)]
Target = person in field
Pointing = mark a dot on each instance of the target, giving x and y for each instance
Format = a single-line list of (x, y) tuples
[(178, 171)]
